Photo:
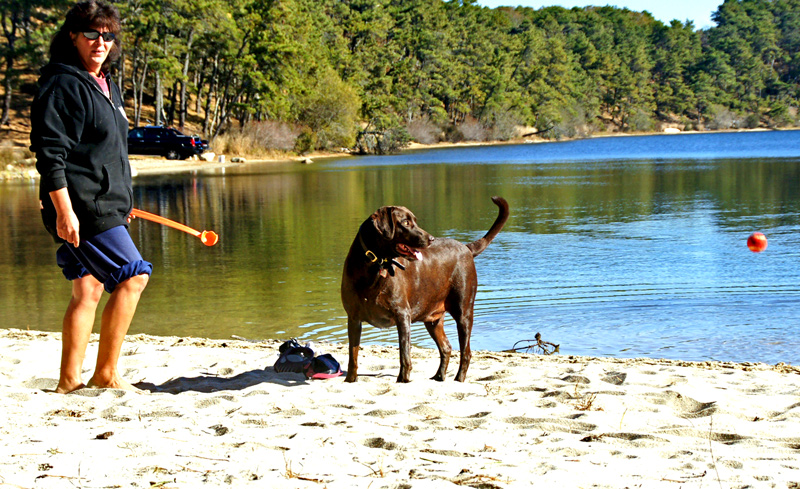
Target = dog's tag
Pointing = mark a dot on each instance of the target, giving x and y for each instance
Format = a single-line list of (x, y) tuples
[(384, 273)]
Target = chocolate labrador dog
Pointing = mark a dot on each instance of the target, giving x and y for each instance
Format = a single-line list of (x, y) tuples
[(396, 274)]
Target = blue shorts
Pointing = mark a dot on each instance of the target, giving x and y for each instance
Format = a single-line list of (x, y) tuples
[(111, 257)]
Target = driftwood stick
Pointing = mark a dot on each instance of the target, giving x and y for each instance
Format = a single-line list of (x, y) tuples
[(544, 347)]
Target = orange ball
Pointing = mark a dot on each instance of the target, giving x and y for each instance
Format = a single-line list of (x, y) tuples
[(757, 242), (209, 238)]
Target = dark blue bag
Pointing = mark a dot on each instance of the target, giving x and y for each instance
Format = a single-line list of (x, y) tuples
[(323, 367)]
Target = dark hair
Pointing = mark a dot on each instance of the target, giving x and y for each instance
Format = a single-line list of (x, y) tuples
[(82, 17)]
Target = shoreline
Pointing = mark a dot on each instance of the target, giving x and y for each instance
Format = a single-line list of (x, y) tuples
[(341, 350), (214, 412), (144, 166), (148, 166), (235, 341), (152, 166)]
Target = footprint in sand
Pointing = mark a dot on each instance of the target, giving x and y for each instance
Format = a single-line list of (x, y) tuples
[(92, 392), (206, 403), (115, 415), (499, 375), (19, 396), (792, 411), (41, 384), (576, 379), (425, 411), (381, 413), (562, 425), (631, 437), (379, 442), (615, 378), (684, 406)]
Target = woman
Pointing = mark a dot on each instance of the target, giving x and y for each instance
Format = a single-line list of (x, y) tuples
[(79, 134)]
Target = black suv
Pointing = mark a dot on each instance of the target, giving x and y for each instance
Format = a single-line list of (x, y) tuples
[(164, 141)]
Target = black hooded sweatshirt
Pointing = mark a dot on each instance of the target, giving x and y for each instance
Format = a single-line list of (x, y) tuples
[(79, 136)]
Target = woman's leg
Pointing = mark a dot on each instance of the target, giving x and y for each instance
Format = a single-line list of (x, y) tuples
[(76, 329), (116, 320), (112, 259)]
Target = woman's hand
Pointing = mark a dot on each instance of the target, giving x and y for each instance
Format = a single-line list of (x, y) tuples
[(67, 224), (68, 227)]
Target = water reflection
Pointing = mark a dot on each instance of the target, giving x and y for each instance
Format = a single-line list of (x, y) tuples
[(629, 257)]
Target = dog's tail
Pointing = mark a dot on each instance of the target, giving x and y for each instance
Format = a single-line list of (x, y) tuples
[(477, 247)]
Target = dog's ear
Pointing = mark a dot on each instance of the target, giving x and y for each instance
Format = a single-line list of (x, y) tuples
[(383, 220)]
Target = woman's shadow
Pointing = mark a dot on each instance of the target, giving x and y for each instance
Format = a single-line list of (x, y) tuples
[(214, 383)]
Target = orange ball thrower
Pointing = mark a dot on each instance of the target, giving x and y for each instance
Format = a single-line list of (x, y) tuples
[(208, 238)]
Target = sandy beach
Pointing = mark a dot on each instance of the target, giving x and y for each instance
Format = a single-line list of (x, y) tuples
[(141, 166), (214, 413)]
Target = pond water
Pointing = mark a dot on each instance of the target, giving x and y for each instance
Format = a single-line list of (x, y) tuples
[(625, 246)]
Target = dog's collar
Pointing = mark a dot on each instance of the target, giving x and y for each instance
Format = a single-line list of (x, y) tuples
[(384, 264)]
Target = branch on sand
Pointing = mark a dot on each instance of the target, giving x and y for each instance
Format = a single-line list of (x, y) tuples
[(535, 345)]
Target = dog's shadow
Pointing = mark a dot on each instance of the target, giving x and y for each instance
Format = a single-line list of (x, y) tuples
[(214, 383)]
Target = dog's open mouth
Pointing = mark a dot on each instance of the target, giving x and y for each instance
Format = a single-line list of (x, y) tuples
[(409, 252)]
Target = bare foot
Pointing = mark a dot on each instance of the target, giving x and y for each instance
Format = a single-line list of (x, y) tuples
[(66, 389), (117, 383)]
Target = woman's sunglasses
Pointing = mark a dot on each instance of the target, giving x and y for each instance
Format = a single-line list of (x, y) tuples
[(92, 35)]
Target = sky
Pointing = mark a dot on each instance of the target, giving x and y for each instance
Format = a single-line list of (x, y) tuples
[(698, 11)]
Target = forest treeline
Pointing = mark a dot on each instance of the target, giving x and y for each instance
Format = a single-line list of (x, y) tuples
[(374, 74)]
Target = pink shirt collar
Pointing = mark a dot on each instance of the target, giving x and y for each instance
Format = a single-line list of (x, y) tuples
[(101, 81)]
